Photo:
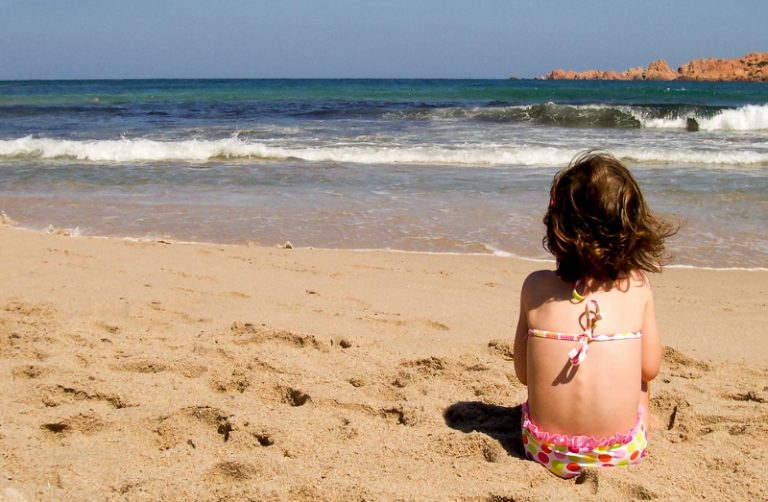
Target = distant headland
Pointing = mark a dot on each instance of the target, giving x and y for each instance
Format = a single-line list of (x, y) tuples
[(750, 68)]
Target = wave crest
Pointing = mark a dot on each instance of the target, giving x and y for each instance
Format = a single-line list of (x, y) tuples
[(745, 118), (147, 150), (539, 114), (198, 150)]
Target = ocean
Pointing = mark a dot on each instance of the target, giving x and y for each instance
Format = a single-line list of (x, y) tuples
[(446, 166)]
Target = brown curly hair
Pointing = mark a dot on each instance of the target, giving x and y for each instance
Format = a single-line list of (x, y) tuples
[(598, 224)]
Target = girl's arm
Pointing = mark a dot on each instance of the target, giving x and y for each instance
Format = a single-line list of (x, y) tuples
[(651, 342), (521, 341)]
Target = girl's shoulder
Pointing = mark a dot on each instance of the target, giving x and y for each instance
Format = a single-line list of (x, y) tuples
[(639, 280), (541, 278), (636, 289), (542, 285)]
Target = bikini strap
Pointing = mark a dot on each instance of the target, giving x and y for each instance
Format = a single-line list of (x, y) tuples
[(593, 316)]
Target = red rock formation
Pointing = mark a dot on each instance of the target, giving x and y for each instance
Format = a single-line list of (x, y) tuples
[(659, 70), (750, 68), (636, 73)]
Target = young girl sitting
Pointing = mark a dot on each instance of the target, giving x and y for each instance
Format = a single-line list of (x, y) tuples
[(587, 343)]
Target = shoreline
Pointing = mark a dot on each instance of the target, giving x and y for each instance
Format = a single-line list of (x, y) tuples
[(497, 253)]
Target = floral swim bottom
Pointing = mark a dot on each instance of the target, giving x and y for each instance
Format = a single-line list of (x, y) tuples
[(566, 456)]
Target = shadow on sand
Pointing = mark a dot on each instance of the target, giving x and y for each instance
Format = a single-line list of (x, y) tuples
[(499, 422)]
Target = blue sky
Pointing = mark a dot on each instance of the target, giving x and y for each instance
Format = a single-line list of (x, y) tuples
[(365, 38)]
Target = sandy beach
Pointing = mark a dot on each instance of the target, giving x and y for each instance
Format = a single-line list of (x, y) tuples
[(169, 371)]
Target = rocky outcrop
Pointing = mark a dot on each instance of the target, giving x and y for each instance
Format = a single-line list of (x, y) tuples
[(750, 68), (659, 70)]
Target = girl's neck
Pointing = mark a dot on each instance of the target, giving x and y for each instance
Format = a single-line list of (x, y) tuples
[(588, 285)]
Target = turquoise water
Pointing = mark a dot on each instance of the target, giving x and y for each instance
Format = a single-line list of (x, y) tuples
[(427, 165), (56, 92)]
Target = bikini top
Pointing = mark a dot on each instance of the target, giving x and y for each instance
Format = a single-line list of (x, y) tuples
[(593, 316)]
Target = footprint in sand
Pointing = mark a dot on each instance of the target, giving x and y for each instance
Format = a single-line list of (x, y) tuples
[(247, 333), (87, 424), (205, 423), (292, 396), (431, 367), (398, 415), (416, 370), (402, 415), (678, 364), (474, 445), (232, 470), (70, 394), (235, 380)]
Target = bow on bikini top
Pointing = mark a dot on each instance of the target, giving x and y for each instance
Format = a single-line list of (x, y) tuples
[(593, 316)]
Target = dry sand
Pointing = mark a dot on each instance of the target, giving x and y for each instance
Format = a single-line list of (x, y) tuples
[(168, 371)]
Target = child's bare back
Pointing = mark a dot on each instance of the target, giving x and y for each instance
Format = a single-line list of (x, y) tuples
[(587, 343), (601, 396)]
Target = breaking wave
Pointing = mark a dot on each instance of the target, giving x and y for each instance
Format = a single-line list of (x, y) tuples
[(745, 118), (540, 114), (147, 150), (198, 150)]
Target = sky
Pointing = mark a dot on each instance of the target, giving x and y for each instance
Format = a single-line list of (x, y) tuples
[(70, 39)]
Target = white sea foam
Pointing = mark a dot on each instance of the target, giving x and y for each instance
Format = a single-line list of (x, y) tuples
[(684, 156), (745, 118), (146, 150), (721, 269), (479, 154), (130, 150)]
